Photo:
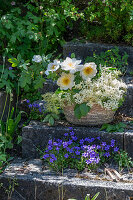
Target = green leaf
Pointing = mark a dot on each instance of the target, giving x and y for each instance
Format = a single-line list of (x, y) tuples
[(104, 126), (10, 127), (77, 111), (84, 109), (19, 139), (51, 121), (14, 62), (38, 83), (3, 157), (73, 55), (55, 116), (17, 120), (46, 119), (96, 195)]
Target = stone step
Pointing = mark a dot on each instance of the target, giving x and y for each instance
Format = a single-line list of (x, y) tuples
[(82, 50), (35, 137), (36, 183), (127, 107)]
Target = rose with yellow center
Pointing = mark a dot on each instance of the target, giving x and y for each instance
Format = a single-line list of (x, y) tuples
[(88, 70), (52, 67), (71, 64), (66, 81)]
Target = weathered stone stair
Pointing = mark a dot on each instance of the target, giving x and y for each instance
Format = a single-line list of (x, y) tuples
[(36, 182)]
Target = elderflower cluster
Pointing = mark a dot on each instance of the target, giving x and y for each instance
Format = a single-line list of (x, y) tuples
[(106, 91)]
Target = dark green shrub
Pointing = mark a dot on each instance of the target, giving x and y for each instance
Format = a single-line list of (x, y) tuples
[(108, 21)]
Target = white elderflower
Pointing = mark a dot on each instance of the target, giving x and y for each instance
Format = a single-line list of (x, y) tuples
[(66, 81), (37, 58), (88, 70), (71, 64), (53, 66)]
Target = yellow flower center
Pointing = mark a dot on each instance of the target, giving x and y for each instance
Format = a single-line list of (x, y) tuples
[(70, 65), (87, 70), (53, 66), (66, 81)]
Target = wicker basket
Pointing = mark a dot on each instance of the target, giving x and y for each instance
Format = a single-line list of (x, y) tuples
[(96, 116)]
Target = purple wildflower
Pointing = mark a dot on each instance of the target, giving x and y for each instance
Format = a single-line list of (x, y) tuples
[(66, 155), (40, 110), (107, 148), (53, 157), (55, 144), (72, 133), (50, 148), (116, 149), (69, 142), (107, 154), (74, 138), (81, 141), (69, 54), (57, 148), (65, 144), (66, 134), (50, 142), (46, 156), (28, 101), (30, 105), (51, 160), (99, 138), (92, 139), (112, 143), (98, 147), (103, 144), (77, 152), (85, 154)]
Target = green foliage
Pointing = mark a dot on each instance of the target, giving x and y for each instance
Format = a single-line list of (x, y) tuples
[(108, 21), (110, 58), (81, 110), (119, 127), (11, 187), (123, 160), (7, 130), (23, 77), (89, 198), (35, 26), (50, 118)]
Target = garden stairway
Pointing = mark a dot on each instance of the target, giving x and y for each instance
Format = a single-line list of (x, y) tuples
[(36, 181)]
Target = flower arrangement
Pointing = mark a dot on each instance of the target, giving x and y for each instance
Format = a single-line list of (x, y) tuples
[(72, 152), (84, 86)]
